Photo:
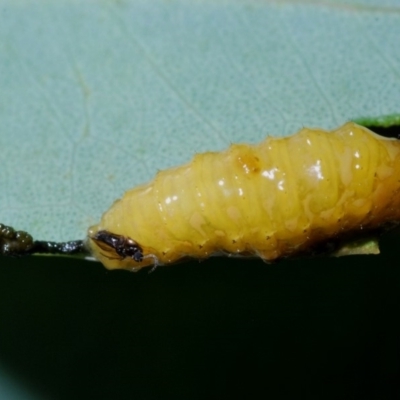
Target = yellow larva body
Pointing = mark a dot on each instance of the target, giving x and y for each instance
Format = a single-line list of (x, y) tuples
[(272, 200)]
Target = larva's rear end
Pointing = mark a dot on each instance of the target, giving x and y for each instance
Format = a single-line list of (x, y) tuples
[(282, 197)]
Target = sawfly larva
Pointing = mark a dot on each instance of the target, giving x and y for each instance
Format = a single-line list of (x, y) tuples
[(280, 198)]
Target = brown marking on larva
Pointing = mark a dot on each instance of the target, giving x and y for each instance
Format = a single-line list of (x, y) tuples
[(246, 159), (121, 245)]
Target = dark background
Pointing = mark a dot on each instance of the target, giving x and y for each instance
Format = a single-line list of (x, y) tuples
[(321, 328)]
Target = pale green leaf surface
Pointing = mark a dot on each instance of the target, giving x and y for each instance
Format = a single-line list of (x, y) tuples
[(11, 389), (97, 96)]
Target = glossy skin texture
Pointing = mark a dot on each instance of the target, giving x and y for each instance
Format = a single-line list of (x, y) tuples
[(275, 199)]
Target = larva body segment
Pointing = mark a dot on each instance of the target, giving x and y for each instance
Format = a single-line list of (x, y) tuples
[(279, 198)]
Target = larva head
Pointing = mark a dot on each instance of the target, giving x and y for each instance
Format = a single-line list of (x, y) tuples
[(118, 251), (118, 244)]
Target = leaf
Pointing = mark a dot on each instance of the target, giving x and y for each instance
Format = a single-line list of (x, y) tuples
[(98, 96)]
